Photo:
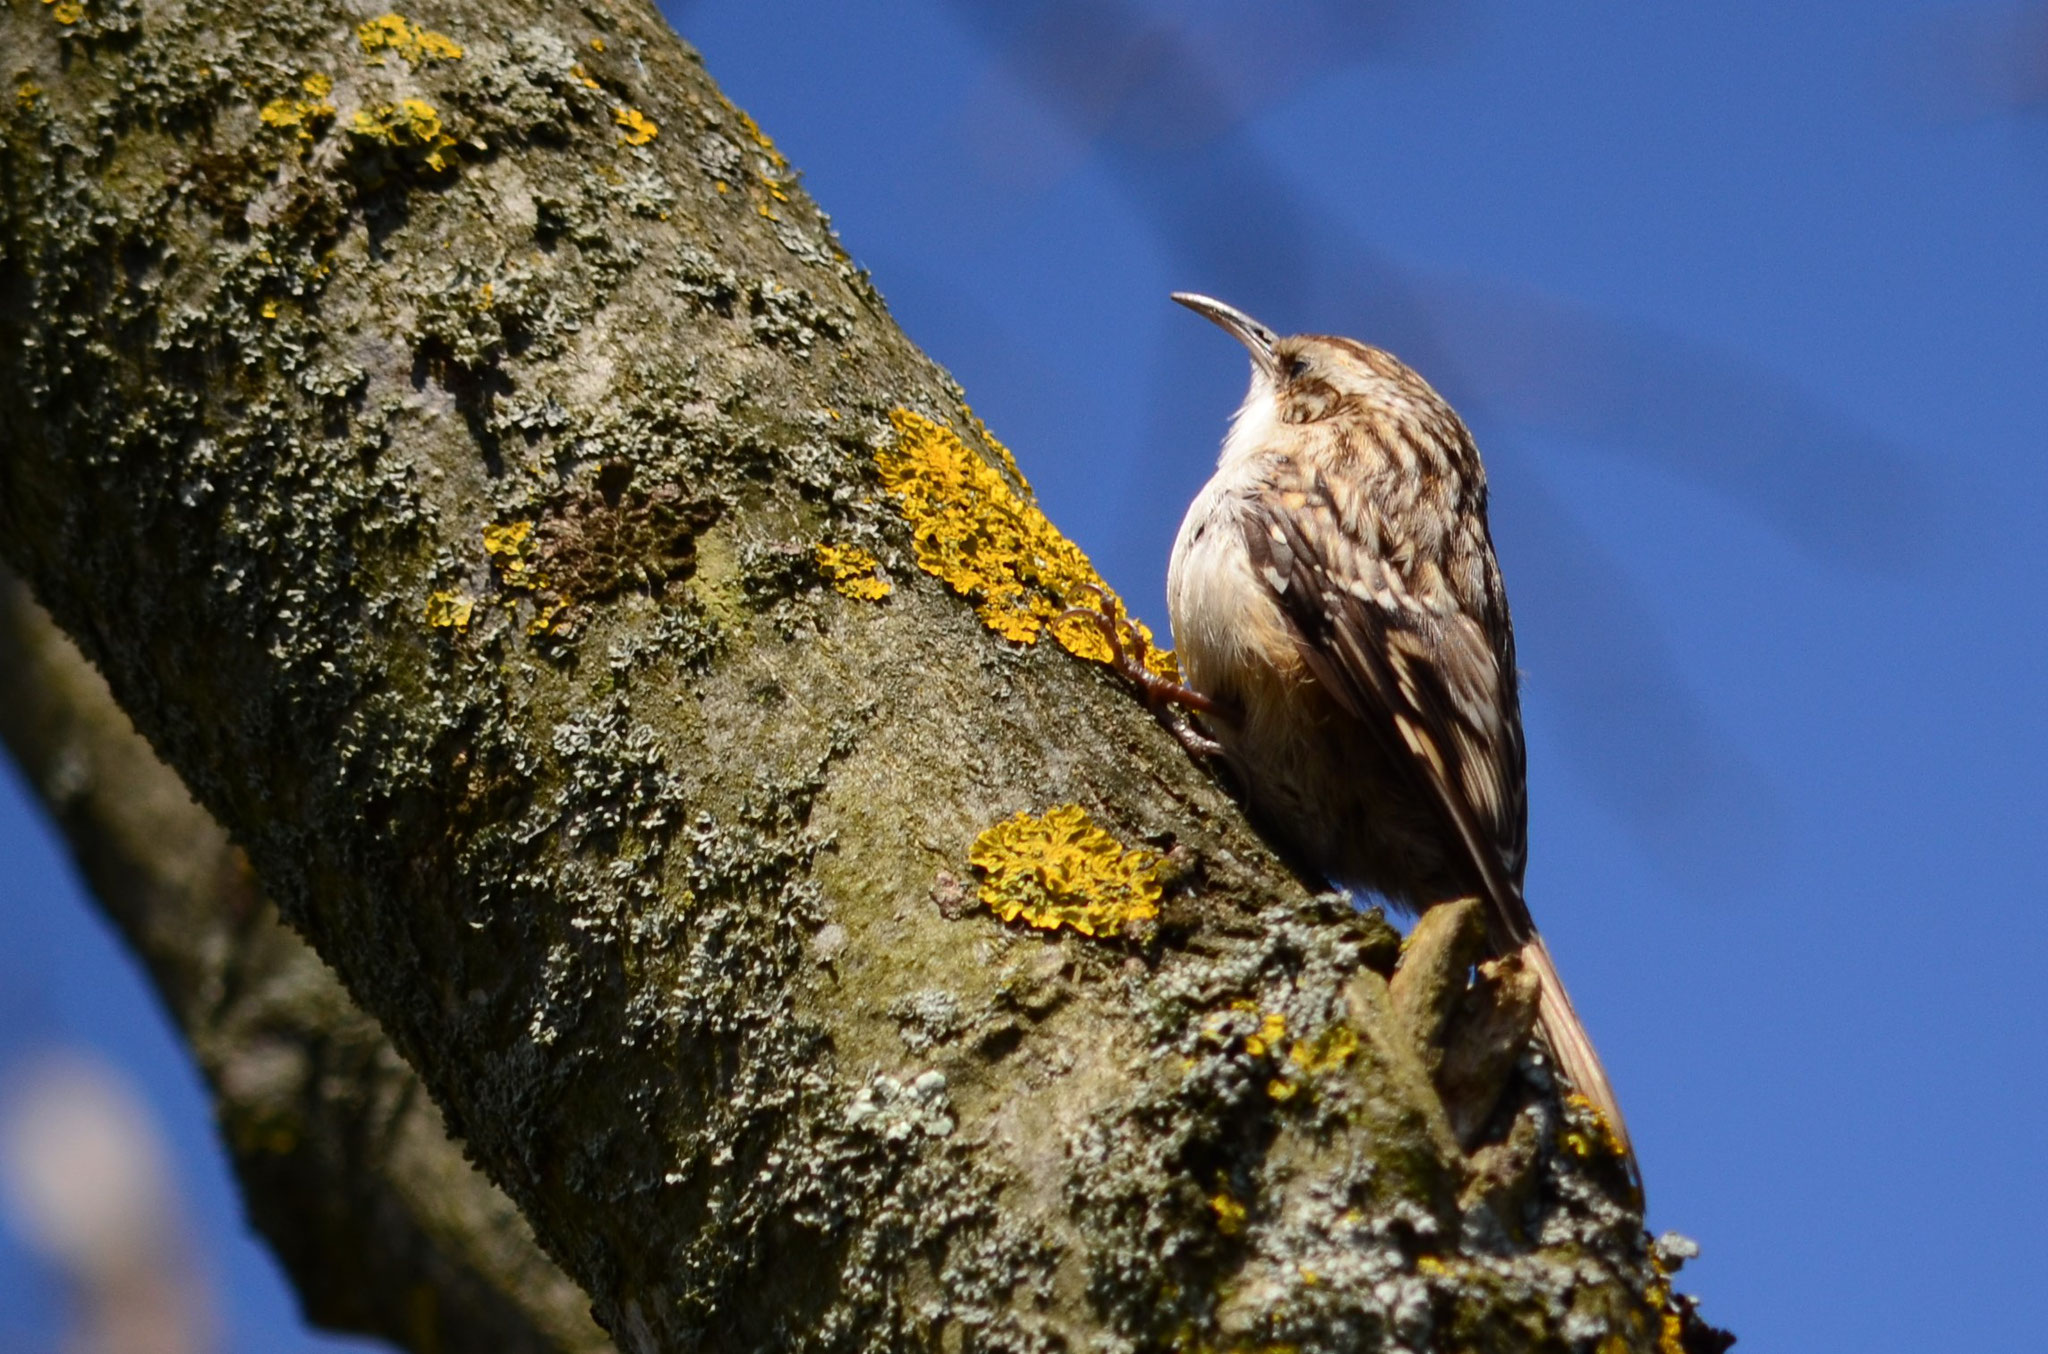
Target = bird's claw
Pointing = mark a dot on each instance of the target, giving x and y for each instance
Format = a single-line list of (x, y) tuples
[(1197, 743), (1127, 649)]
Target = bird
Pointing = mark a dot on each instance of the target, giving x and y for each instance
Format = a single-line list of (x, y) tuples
[(1343, 638)]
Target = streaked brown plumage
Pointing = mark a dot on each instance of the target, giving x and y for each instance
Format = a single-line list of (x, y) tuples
[(1336, 606)]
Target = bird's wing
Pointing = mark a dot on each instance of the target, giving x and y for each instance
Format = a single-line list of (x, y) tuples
[(1424, 679), (1428, 684)]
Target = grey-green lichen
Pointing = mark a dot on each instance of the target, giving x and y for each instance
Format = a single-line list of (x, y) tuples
[(274, 385)]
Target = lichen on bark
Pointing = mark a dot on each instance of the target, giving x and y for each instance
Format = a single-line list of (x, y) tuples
[(648, 863)]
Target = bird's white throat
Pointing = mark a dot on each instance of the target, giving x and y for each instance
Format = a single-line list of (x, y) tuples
[(1252, 426)]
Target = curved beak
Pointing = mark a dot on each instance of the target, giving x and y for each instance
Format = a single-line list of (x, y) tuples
[(1242, 327)]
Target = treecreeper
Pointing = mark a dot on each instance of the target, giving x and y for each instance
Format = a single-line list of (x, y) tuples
[(1344, 640)]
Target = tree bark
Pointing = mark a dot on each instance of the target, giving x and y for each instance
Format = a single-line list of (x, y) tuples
[(342, 1158), (478, 471)]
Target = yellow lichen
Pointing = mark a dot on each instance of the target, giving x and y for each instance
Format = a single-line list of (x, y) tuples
[(760, 139), (1219, 1028), (1327, 1052), (410, 125), (637, 129), (996, 445), (1272, 1029), (1603, 1141), (510, 546), (67, 12), (506, 545), (302, 117), (1309, 1058), (450, 610), (394, 33), (1230, 1214), (1304, 1058), (992, 545), (852, 571), (544, 619), (1664, 1308), (583, 76), (597, 44), (1060, 869), (27, 94)]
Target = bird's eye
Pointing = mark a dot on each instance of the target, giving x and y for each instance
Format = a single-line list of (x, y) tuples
[(1297, 368)]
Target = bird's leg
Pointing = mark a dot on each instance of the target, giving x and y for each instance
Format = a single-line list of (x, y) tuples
[(1197, 743), (1127, 650)]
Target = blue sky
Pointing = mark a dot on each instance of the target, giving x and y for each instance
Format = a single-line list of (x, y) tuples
[(1747, 306)]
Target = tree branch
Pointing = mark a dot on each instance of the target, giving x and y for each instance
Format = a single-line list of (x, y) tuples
[(383, 1227), (481, 475)]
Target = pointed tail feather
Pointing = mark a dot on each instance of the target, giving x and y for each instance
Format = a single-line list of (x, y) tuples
[(1571, 1045)]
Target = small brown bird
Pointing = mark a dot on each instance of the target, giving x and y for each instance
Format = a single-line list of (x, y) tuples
[(1342, 628)]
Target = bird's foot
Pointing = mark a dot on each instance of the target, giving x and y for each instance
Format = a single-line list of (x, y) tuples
[(1197, 743), (1127, 657)]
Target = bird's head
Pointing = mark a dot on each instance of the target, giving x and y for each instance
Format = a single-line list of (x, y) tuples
[(1304, 378)]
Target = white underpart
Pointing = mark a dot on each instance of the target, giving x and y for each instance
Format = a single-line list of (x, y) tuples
[(1251, 427), (1226, 624)]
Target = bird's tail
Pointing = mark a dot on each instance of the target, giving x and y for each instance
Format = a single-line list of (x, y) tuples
[(1571, 1045)]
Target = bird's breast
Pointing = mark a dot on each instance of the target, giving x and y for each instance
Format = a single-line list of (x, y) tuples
[(1228, 632)]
